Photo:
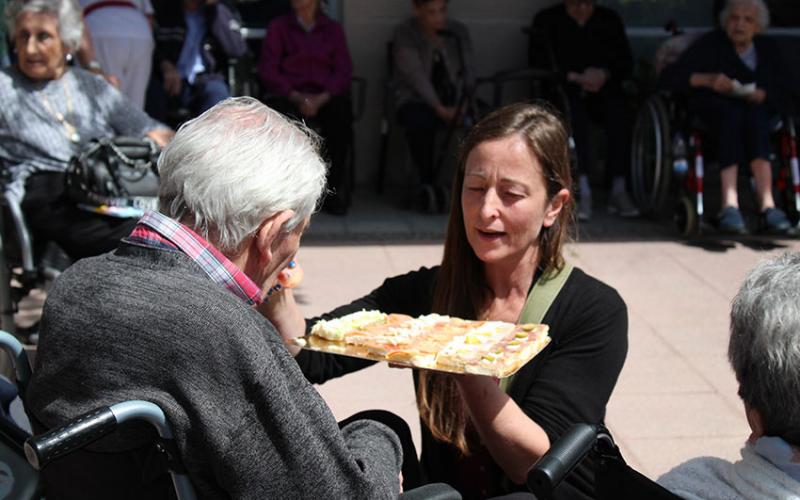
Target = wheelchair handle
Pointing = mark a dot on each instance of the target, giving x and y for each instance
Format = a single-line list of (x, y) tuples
[(566, 453), (89, 427)]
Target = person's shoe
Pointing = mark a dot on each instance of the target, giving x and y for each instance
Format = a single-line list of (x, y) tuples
[(622, 205), (730, 221), (585, 208), (774, 221)]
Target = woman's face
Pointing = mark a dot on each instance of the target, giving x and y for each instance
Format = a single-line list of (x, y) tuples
[(505, 201), (299, 5), (41, 53), (742, 24), (432, 15)]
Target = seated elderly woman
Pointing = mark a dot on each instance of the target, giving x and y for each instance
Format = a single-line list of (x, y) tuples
[(736, 83), (50, 111), (765, 334), (306, 67), (433, 66)]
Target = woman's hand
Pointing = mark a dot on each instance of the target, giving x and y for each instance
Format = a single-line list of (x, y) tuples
[(446, 114), (758, 96), (514, 440), (718, 82), (161, 136)]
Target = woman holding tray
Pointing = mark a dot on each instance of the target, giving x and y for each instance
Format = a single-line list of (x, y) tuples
[(504, 243)]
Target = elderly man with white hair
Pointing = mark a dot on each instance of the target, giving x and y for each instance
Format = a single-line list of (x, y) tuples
[(764, 351), (176, 316), (737, 82)]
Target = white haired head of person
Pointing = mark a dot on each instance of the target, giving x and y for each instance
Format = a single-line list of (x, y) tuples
[(235, 166), (67, 12), (761, 10), (764, 347)]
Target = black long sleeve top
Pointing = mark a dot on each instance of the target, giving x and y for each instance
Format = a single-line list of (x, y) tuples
[(600, 43), (714, 53), (569, 382)]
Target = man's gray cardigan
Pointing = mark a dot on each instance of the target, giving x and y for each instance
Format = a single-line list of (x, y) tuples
[(149, 324)]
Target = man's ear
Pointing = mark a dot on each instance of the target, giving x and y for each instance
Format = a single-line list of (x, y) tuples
[(755, 420), (268, 233)]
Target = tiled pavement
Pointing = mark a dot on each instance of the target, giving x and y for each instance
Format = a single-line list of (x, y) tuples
[(676, 397)]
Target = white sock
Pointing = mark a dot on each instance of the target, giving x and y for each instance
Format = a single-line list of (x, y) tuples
[(583, 185), (618, 185)]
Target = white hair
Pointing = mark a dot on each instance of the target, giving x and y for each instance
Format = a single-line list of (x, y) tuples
[(67, 12), (236, 165), (761, 7), (764, 347)]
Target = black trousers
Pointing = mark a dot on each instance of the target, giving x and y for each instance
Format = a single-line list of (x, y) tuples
[(52, 216), (334, 122), (420, 123), (607, 108)]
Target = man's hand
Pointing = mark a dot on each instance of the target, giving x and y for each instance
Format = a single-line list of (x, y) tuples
[(172, 79)]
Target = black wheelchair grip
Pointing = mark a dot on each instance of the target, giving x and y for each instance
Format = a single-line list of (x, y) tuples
[(79, 432), (560, 459)]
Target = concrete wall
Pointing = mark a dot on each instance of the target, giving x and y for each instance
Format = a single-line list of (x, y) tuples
[(495, 26)]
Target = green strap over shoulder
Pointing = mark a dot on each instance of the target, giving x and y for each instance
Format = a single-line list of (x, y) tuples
[(539, 300)]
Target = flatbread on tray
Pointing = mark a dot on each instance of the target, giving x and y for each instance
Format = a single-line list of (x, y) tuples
[(433, 341)]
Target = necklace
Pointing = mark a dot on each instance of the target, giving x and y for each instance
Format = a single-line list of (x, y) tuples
[(69, 129)]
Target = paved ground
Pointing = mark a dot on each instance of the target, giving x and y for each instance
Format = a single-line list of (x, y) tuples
[(676, 397)]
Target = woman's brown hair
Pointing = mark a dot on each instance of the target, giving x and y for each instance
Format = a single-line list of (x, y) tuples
[(461, 289)]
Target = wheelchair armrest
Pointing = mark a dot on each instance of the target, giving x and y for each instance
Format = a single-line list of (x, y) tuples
[(433, 491), (562, 457)]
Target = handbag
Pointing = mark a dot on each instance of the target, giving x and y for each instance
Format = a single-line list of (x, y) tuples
[(115, 174)]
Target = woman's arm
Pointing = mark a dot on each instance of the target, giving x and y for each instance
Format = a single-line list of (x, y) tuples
[(570, 382), (410, 68), (514, 440)]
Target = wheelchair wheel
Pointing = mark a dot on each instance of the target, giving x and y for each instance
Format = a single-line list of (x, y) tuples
[(685, 217), (651, 156)]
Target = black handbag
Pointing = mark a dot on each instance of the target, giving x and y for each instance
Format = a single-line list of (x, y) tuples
[(115, 172)]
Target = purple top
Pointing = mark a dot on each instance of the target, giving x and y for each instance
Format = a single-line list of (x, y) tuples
[(313, 61)]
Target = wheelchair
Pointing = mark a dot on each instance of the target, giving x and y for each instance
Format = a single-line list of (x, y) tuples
[(24, 265), (670, 156), (23, 456), (613, 477)]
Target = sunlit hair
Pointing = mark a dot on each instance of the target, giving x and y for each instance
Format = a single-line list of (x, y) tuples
[(764, 348), (461, 288), (761, 7), (236, 165), (68, 13)]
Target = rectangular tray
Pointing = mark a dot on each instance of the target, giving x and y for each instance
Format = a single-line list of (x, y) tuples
[(314, 343)]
